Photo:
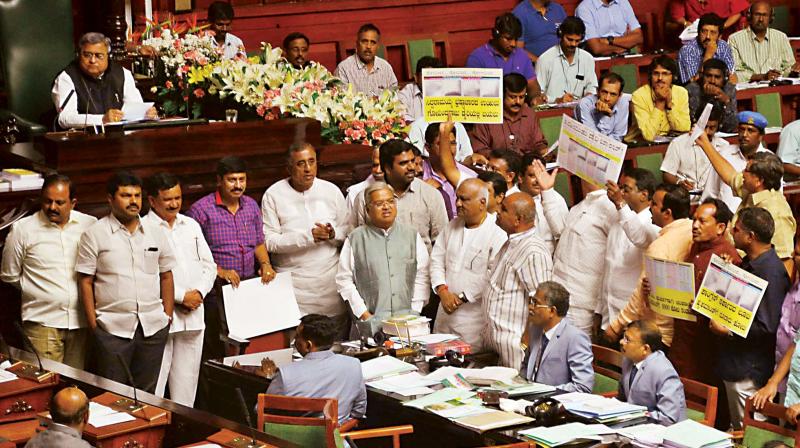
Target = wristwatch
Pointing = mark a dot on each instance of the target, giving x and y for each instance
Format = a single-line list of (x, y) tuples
[(610, 40)]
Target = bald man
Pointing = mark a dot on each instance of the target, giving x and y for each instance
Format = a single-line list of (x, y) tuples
[(460, 261), (69, 409), (522, 264)]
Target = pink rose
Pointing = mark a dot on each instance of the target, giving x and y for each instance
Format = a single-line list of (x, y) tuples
[(376, 134), (168, 84), (199, 93)]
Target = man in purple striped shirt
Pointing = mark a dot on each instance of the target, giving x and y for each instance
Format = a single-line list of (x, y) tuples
[(232, 226)]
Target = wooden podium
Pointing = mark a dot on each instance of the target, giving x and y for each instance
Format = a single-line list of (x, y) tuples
[(147, 431), (23, 399)]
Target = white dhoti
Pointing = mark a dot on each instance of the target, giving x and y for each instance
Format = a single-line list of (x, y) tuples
[(180, 366)]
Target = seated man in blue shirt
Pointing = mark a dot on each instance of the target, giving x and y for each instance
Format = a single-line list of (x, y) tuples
[(648, 378), (707, 45), (321, 373), (502, 52), (540, 20), (558, 353), (611, 26), (607, 110)]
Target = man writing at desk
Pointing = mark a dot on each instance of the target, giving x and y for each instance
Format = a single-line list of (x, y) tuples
[(321, 373), (92, 90)]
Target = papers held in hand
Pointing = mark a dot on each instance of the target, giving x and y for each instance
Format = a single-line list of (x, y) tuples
[(254, 309), (135, 111)]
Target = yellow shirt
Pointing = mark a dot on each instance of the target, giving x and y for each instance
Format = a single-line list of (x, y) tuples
[(775, 203), (650, 122), (673, 243)]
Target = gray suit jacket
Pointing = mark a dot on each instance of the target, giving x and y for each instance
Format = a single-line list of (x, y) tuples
[(59, 436), (325, 375), (656, 386), (566, 361)]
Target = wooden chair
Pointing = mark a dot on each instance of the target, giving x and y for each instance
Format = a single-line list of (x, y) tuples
[(701, 401), (756, 433), (314, 422), (769, 105), (607, 366)]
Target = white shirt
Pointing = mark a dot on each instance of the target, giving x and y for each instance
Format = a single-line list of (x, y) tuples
[(233, 46), (70, 117), (416, 136), (582, 236), (39, 258), (687, 160), (126, 268), (411, 97), (557, 76), (347, 286), (543, 226), (289, 215), (195, 268), (716, 188), (628, 239), (354, 190)]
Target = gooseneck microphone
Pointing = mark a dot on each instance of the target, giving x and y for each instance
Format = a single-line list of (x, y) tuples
[(26, 341), (246, 414)]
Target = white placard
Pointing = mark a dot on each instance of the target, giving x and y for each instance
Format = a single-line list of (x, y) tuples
[(254, 309), (590, 155)]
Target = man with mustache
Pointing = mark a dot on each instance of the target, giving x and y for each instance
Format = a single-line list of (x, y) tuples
[(659, 107), (419, 205), (565, 72), (305, 223), (232, 225), (383, 266), (762, 53), (295, 50), (714, 86), (365, 70), (220, 17), (125, 279), (193, 277), (606, 111), (39, 259), (519, 132), (708, 45)]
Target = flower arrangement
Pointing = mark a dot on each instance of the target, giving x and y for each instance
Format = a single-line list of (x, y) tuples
[(193, 75)]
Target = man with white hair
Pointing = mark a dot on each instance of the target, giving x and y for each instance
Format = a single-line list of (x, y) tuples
[(92, 89), (383, 266), (460, 261)]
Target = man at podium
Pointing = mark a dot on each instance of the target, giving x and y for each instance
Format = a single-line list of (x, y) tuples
[(92, 90)]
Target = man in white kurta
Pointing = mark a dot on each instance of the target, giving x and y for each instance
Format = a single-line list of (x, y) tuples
[(305, 223), (528, 184), (521, 265), (459, 264), (582, 235), (193, 278), (628, 238)]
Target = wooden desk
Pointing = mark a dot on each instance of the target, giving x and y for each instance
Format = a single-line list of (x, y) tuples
[(18, 432), (187, 425), (790, 100)]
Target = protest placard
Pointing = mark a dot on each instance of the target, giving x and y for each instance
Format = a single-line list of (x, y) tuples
[(671, 287), (469, 95), (592, 156)]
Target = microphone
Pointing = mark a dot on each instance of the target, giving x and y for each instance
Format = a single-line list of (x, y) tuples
[(125, 403), (246, 413), (26, 341), (63, 105)]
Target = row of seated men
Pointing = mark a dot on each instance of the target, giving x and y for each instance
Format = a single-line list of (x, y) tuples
[(482, 245)]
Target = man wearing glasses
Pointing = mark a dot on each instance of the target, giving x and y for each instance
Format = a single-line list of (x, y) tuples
[(92, 90)]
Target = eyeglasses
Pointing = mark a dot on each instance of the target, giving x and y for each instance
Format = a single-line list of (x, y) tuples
[(98, 56), (382, 204)]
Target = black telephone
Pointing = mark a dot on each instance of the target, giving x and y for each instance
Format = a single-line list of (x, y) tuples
[(546, 411)]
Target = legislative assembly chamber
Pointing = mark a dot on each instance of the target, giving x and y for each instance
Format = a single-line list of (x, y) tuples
[(405, 223)]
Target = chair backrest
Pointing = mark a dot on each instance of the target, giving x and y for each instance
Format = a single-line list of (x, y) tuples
[(783, 19), (31, 62), (607, 366), (769, 105), (756, 433), (564, 187), (551, 128), (416, 49), (651, 162), (318, 430), (630, 73), (702, 399)]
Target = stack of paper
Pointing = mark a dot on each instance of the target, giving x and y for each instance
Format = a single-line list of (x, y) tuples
[(564, 434), (648, 435), (100, 415), (690, 434), (492, 420), (599, 408), (407, 385), (384, 366), (407, 326), (485, 376), (5, 375), (516, 390), (17, 179), (448, 394)]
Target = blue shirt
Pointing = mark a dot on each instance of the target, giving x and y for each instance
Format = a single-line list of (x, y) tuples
[(614, 126), (486, 56), (789, 147), (690, 58), (603, 20), (539, 31)]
